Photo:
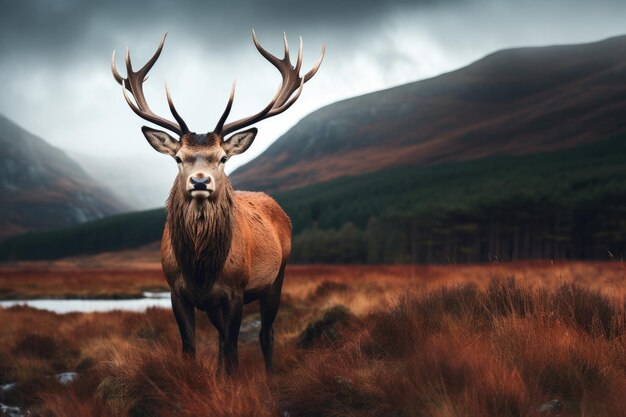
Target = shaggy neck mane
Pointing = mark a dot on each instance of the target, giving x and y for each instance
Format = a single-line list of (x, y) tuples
[(201, 232)]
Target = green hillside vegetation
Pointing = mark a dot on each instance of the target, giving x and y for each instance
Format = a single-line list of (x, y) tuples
[(562, 204), (113, 233)]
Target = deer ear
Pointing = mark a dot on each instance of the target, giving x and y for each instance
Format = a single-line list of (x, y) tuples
[(161, 141), (239, 142)]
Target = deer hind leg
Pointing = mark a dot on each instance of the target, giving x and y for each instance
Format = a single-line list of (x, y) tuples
[(185, 318), (233, 312), (269, 304)]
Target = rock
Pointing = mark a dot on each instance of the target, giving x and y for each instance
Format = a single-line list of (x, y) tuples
[(7, 387), (250, 328), (9, 411), (553, 407), (66, 377)]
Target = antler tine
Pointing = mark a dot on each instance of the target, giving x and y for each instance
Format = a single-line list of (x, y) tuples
[(285, 106), (132, 105), (299, 61), (149, 117), (287, 94), (134, 84), (220, 123), (313, 70), (148, 66), (130, 75), (247, 121), (286, 58), (116, 74), (170, 102), (271, 58)]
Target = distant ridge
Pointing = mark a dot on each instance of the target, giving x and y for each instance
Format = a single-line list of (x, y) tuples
[(42, 188), (515, 102)]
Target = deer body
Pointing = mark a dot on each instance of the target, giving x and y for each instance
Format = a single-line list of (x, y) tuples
[(254, 255), (220, 248)]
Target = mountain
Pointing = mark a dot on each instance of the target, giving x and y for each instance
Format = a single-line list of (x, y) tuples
[(517, 156), (142, 181), (512, 102), (42, 188)]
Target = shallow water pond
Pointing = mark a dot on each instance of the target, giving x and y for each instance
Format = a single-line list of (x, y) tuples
[(149, 300)]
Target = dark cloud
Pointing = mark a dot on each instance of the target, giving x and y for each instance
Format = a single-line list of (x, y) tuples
[(42, 32), (342, 12), (61, 28)]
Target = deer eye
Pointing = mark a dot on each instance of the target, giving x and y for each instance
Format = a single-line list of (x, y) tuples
[(178, 160), (224, 159)]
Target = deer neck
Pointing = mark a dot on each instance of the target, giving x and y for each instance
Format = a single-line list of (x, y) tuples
[(201, 231)]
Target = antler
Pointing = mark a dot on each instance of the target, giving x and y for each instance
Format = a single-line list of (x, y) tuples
[(134, 84), (282, 100)]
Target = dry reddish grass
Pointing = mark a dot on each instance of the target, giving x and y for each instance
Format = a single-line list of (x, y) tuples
[(106, 275), (79, 283), (129, 273), (351, 341), (385, 283)]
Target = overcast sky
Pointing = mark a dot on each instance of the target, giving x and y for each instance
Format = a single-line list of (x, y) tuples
[(55, 57)]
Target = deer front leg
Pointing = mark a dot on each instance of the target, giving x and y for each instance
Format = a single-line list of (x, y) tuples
[(216, 316), (233, 311), (185, 318)]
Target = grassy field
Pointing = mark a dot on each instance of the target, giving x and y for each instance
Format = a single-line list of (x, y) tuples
[(472, 340), (124, 274)]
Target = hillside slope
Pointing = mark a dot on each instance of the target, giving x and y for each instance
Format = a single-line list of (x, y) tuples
[(567, 203), (42, 188), (512, 102)]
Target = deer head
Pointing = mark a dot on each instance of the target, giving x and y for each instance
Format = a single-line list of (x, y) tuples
[(201, 156)]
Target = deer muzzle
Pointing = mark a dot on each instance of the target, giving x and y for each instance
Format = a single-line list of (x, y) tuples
[(200, 185)]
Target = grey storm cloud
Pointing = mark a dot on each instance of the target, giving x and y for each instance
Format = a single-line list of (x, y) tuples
[(61, 32), (56, 29)]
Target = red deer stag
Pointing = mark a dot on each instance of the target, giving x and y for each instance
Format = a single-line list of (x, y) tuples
[(220, 248)]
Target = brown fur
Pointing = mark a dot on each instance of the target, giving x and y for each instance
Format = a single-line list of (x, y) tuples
[(200, 236), (225, 241)]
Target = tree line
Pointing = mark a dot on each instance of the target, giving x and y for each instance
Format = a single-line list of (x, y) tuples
[(495, 234)]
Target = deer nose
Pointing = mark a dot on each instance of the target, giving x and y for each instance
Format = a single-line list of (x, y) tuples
[(200, 181)]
